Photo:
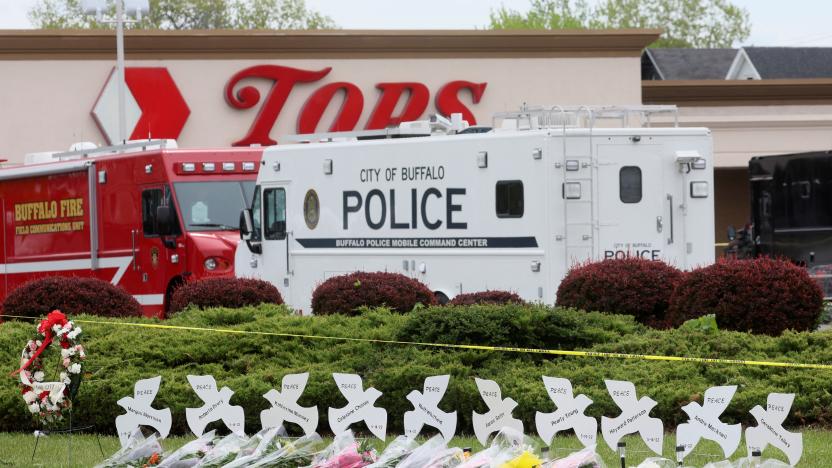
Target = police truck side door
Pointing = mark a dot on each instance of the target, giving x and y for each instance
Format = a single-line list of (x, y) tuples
[(632, 220), (276, 234)]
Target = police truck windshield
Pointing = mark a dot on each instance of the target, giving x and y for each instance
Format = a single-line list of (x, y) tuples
[(213, 206)]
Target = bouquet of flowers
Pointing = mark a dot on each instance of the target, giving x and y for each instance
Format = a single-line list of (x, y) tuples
[(525, 460), (224, 451), (422, 455), (585, 458), (139, 452), (492, 456), (447, 458), (397, 451), (299, 452), (345, 452), (189, 454), (260, 444)]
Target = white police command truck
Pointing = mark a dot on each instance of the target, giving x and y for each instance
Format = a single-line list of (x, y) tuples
[(467, 209)]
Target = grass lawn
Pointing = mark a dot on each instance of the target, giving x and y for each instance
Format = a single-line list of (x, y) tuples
[(16, 449)]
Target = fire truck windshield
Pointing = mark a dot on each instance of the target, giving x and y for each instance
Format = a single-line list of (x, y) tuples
[(213, 206)]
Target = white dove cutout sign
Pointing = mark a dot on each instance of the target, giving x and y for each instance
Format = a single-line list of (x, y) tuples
[(426, 409), (568, 415), (360, 407), (634, 417), (285, 405), (704, 422), (216, 408), (769, 429), (499, 411), (139, 412)]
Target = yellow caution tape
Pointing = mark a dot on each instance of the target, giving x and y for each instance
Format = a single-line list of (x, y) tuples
[(508, 349)]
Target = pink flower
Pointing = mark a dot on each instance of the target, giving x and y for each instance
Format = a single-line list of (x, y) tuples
[(67, 362)]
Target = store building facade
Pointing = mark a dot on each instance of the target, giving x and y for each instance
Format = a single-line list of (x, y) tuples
[(218, 89)]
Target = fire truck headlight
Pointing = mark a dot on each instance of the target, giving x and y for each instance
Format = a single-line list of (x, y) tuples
[(699, 189), (210, 264)]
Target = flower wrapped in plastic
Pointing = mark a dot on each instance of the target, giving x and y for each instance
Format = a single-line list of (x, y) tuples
[(138, 452), (526, 459), (764, 463), (398, 450), (299, 452), (260, 444), (585, 458), (423, 454), (345, 452), (189, 454), (447, 458), (224, 451), (492, 456)]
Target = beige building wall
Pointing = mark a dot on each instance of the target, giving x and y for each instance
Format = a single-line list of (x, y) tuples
[(49, 81)]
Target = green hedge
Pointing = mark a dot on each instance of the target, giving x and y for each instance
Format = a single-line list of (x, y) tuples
[(252, 364)]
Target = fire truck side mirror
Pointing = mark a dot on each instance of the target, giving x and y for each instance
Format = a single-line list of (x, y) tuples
[(164, 222), (246, 225), (732, 233)]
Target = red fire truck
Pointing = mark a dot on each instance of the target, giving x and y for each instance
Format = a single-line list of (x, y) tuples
[(144, 216)]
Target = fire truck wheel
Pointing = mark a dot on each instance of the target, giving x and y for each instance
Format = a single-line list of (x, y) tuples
[(441, 297)]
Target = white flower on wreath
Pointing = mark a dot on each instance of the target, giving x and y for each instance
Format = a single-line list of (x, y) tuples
[(38, 344), (74, 333), (75, 368), (34, 408), (65, 353), (57, 329), (30, 397), (39, 376), (65, 378)]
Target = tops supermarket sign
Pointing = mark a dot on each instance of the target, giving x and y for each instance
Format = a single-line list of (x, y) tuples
[(156, 108)]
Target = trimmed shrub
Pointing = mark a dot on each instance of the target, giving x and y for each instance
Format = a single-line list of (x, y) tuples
[(345, 294), (516, 325), (224, 292), (487, 297), (762, 295), (71, 295), (631, 286)]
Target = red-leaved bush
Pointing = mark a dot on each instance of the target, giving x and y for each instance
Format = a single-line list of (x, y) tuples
[(487, 297), (630, 286), (762, 295), (71, 295), (224, 292), (346, 293)]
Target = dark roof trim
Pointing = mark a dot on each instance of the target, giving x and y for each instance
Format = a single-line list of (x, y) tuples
[(224, 44), (737, 92)]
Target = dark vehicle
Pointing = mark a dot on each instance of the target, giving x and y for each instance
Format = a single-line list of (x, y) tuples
[(791, 210)]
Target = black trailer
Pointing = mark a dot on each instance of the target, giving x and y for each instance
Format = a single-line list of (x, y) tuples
[(791, 209)]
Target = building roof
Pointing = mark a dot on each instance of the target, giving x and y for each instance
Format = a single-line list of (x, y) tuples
[(268, 44), (791, 62), (687, 64)]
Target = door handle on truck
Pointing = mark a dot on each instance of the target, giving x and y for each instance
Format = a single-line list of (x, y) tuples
[(659, 224), (670, 206), (133, 247)]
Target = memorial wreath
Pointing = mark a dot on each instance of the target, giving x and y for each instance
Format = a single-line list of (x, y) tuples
[(47, 400)]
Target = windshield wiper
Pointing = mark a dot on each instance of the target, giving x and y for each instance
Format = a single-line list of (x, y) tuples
[(216, 225)]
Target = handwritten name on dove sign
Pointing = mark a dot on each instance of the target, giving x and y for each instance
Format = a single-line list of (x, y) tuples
[(426, 409), (634, 417), (285, 405), (216, 408), (769, 429), (360, 407), (140, 413), (499, 411), (704, 422), (568, 415)]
